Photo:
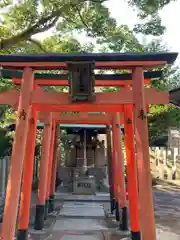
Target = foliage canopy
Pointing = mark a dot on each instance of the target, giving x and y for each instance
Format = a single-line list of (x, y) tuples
[(22, 20)]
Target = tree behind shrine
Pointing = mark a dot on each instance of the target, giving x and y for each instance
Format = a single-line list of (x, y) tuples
[(20, 22)]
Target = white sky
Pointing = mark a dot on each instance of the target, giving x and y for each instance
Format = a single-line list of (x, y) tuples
[(170, 16)]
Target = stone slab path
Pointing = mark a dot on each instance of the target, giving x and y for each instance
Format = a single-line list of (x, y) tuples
[(83, 209), (99, 197), (81, 219), (78, 221)]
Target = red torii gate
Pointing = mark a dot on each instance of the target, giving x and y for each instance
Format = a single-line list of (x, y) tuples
[(32, 100), (91, 119), (95, 118)]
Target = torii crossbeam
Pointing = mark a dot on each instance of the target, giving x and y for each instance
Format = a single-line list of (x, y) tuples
[(101, 80)]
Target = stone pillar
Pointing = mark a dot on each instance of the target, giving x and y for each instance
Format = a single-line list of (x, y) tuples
[(97, 156), (72, 156), (90, 156), (85, 150), (67, 156)]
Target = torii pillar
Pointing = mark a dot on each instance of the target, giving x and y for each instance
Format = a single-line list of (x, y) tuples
[(43, 174), (110, 168), (27, 178), (131, 173), (17, 157), (115, 175), (143, 160), (119, 164), (54, 169), (50, 169)]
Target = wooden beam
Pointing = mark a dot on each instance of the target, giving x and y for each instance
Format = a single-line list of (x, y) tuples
[(105, 102), (10, 97), (80, 108), (64, 82), (79, 118), (125, 96), (99, 65)]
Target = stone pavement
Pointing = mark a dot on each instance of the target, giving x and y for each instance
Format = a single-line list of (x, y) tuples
[(83, 209), (80, 219), (99, 197)]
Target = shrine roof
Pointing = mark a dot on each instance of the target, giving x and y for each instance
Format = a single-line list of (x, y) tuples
[(106, 60), (7, 74), (175, 96), (76, 128), (84, 126), (70, 127), (170, 57)]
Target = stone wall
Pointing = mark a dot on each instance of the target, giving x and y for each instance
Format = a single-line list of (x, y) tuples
[(165, 163)]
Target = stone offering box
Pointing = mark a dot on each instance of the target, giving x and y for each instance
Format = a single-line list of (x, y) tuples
[(84, 185)]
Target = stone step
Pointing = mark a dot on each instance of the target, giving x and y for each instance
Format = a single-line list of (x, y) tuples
[(72, 209), (104, 197), (80, 225)]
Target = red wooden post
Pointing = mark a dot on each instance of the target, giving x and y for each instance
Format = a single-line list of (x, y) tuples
[(110, 168), (17, 157), (27, 178), (43, 174), (115, 172), (54, 168), (50, 170), (131, 173), (142, 147), (120, 171)]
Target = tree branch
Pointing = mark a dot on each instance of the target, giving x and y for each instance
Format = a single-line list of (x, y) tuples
[(82, 20), (88, 29), (41, 26), (37, 43), (98, 1)]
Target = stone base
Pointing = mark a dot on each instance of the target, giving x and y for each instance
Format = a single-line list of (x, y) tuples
[(124, 219), (46, 209), (135, 235), (117, 211), (51, 204), (22, 234), (39, 218)]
